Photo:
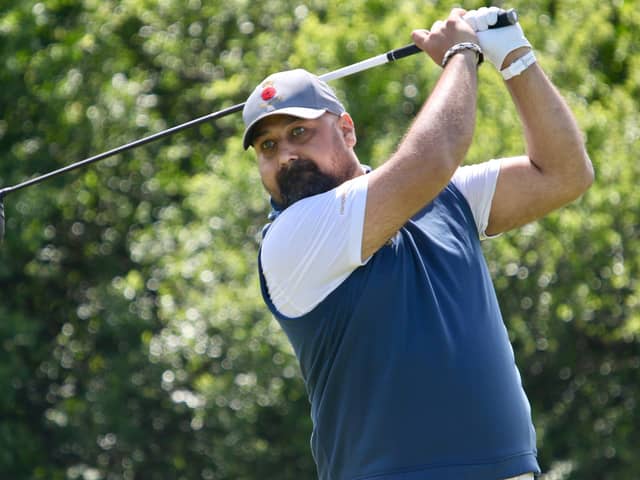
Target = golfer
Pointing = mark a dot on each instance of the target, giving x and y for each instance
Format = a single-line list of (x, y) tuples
[(378, 278)]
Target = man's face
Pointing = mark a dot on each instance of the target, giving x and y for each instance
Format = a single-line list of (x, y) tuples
[(298, 158)]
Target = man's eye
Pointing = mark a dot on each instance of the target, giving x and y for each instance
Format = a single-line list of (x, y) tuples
[(268, 145), (297, 131)]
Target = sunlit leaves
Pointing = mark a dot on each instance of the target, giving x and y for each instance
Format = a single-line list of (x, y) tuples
[(134, 337)]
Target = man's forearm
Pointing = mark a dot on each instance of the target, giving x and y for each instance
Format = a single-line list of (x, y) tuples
[(442, 132), (555, 144)]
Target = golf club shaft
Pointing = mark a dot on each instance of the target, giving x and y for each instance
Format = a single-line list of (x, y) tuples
[(123, 148), (505, 18)]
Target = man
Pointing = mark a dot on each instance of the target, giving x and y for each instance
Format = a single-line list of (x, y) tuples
[(378, 279)]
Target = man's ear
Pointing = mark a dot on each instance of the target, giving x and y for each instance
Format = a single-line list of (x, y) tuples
[(348, 129)]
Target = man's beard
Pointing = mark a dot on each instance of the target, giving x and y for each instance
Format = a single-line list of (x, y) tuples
[(302, 178)]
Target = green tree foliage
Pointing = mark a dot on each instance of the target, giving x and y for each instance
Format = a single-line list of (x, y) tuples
[(134, 340)]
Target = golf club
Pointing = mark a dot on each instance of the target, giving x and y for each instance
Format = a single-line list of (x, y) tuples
[(505, 18)]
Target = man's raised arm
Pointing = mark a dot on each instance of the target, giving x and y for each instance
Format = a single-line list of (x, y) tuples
[(436, 143), (556, 169)]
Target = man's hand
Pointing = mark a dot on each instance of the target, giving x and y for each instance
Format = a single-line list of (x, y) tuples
[(497, 43), (444, 35)]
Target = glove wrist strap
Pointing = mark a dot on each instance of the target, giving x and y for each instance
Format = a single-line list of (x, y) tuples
[(519, 66)]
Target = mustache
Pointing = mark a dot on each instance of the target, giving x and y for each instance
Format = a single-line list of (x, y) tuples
[(301, 179)]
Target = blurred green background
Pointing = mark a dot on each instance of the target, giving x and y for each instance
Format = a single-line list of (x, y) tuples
[(134, 341)]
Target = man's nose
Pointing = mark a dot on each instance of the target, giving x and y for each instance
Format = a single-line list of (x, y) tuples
[(287, 154)]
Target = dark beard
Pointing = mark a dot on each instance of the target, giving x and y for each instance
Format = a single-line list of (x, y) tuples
[(301, 179)]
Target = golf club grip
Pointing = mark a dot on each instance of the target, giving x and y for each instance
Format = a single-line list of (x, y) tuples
[(505, 18)]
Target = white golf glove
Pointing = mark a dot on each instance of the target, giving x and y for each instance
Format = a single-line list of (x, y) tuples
[(496, 43)]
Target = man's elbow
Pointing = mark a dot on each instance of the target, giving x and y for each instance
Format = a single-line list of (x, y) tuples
[(588, 174), (583, 176)]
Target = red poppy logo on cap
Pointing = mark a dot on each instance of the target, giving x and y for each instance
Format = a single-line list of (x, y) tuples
[(268, 93)]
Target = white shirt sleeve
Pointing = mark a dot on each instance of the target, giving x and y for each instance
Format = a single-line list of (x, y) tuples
[(313, 246), (478, 184)]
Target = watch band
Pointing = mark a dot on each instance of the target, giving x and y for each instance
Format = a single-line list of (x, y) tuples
[(459, 47), (519, 66)]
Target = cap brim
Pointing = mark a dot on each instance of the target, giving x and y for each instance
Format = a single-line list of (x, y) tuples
[(301, 112)]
